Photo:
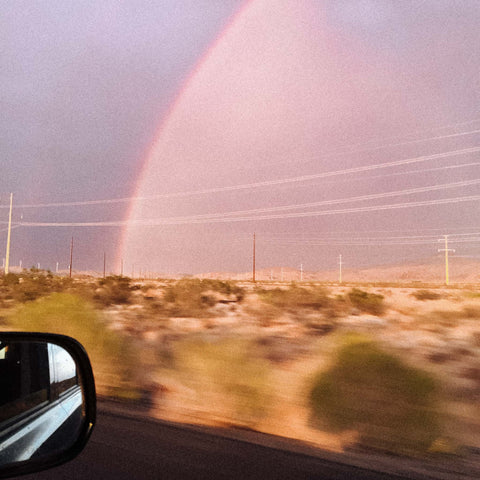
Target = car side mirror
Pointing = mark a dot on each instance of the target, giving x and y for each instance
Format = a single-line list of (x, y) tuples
[(47, 401)]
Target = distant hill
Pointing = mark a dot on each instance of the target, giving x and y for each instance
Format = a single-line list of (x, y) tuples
[(432, 270)]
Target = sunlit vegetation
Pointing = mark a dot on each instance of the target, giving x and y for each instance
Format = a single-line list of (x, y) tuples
[(30, 285), (231, 368), (426, 295), (367, 302), (194, 298), (113, 290), (392, 406), (112, 357), (296, 297)]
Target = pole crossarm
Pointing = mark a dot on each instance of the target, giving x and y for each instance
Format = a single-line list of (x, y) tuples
[(446, 250)]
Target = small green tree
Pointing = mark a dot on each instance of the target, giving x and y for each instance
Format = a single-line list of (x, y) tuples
[(392, 406)]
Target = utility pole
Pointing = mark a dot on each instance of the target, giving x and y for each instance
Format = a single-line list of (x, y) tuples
[(446, 250), (56, 268), (281, 274), (71, 258), (121, 268), (20, 265), (340, 268), (7, 256), (301, 272), (104, 263), (253, 279)]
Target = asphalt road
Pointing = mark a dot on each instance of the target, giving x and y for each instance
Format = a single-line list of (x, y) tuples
[(123, 447)]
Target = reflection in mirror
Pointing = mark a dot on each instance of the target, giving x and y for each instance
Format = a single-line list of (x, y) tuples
[(40, 401)]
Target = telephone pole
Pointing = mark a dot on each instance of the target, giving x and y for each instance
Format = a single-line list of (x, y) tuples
[(301, 272), (340, 268), (104, 263), (253, 270), (7, 256), (446, 250), (71, 258)]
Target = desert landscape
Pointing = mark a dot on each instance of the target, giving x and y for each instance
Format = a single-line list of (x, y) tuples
[(252, 355)]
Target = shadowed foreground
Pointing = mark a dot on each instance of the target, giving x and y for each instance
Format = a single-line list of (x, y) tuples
[(125, 447)]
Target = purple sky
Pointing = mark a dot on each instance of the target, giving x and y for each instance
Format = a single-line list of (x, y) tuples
[(202, 108)]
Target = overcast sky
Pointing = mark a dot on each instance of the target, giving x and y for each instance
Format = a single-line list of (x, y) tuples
[(326, 127)]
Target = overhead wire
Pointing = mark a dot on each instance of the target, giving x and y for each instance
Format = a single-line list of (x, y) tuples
[(193, 221), (301, 178)]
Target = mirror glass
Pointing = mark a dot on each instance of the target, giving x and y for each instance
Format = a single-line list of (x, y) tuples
[(41, 401)]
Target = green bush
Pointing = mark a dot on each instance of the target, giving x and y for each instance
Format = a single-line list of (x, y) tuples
[(367, 302), (230, 367), (191, 297), (113, 290), (296, 297), (426, 295), (392, 406), (111, 356), (30, 285)]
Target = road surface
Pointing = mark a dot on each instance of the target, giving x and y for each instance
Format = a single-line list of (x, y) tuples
[(124, 448)]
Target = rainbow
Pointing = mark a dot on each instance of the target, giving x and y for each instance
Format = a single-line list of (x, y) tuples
[(150, 155)]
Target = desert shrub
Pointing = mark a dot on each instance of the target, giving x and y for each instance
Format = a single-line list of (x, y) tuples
[(111, 357), (229, 367), (266, 315), (392, 406), (31, 285), (191, 297), (426, 295), (367, 302), (113, 290), (10, 279), (446, 318), (471, 311), (295, 297)]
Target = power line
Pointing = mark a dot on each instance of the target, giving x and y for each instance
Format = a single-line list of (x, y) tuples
[(264, 183), (280, 208), (212, 219), (372, 196), (385, 175)]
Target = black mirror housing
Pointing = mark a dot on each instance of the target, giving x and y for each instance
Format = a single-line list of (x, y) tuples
[(47, 401)]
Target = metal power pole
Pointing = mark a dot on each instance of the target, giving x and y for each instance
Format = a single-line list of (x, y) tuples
[(104, 263), (253, 270), (7, 256), (446, 250), (71, 258), (340, 268)]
